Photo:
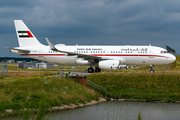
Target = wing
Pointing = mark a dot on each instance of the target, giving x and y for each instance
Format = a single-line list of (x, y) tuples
[(79, 55), (19, 50)]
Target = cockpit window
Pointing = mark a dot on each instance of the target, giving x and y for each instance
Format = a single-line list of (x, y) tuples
[(164, 52)]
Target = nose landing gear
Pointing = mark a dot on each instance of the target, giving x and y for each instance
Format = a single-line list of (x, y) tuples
[(151, 69)]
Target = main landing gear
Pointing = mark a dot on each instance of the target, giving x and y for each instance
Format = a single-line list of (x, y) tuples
[(98, 70), (151, 69), (91, 70)]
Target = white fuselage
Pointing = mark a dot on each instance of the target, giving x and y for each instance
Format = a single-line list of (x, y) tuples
[(102, 57), (131, 55)]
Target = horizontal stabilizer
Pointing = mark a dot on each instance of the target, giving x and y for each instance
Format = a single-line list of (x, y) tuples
[(19, 50)]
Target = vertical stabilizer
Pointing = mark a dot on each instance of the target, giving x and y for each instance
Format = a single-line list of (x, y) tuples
[(24, 35)]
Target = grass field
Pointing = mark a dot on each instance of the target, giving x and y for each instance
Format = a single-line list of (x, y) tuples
[(29, 87), (140, 86), (23, 92), (139, 83)]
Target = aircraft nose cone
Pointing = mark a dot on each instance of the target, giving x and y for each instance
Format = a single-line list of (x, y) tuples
[(172, 58)]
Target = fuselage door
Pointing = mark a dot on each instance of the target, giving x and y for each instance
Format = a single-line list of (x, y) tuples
[(41, 52), (151, 52)]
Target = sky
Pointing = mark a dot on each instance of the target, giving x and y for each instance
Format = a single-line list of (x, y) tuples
[(92, 22)]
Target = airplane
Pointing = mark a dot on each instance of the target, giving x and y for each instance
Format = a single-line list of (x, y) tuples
[(102, 57)]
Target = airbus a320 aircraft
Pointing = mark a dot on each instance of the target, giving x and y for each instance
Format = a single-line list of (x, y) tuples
[(102, 57)]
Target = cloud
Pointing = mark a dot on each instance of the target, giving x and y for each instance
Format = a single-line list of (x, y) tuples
[(96, 21)]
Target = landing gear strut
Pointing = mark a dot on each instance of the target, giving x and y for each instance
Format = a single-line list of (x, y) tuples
[(151, 69)]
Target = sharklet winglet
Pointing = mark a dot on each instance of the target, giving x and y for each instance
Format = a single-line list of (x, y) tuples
[(50, 44)]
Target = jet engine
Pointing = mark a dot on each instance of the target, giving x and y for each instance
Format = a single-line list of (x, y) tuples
[(109, 64)]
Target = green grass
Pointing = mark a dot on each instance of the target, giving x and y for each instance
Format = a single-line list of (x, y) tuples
[(23, 92), (140, 86)]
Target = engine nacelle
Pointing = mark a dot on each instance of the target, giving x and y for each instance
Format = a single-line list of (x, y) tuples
[(109, 64)]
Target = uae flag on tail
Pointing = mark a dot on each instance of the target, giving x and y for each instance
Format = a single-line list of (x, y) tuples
[(25, 34)]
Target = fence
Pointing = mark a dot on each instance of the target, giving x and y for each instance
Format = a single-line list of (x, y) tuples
[(3, 69), (96, 86)]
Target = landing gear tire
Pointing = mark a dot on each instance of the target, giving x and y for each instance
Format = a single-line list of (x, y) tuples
[(151, 71), (97, 70), (90, 70)]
